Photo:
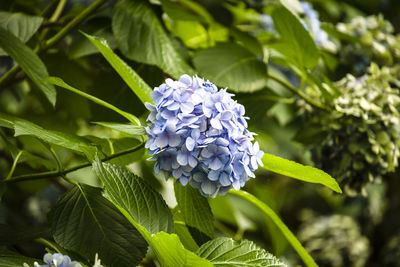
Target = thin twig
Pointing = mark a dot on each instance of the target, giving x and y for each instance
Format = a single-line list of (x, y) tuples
[(51, 174), (298, 92), (53, 40)]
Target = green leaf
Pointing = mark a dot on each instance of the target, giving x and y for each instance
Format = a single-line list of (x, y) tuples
[(132, 79), (233, 66), (85, 222), (307, 259), (296, 43), (141, 37), (148, 212), (181, 229), (29, 62), (248, 41), (19, 24), (298, 171), (69, 141), (195, 209), (172, 253), (66, 140), (224, 251), (59, 82), (177, 11), (124, 128), (12, 234), (14, 260), (132, 193)]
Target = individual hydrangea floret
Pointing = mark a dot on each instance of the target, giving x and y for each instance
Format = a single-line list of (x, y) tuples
[(57, 260), (198, 135)]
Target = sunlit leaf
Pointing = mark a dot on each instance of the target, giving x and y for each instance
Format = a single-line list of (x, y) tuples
[(298, 171), (224, 251)]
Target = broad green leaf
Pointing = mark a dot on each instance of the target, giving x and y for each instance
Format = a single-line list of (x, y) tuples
[(248, 41), (177, 11), (66, 140), (14, 260), (85, 222), (307, 259), (233, 66), (141, 37), (171, 252), (59, 82), (148, 212), (298, 171), (182, 231), (224, 251), (132, 193), (124, 128), (21, 25), (132, 79), (195, 209), (69, 141), (13, 234), (29, 62), (296, 43)]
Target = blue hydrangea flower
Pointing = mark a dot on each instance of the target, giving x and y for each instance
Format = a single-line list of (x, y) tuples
[(57, 260), (198, 135), (320, 36)]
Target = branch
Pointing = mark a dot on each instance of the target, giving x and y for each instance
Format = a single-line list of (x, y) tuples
[(53, 40), (52, 174), (298, 92)]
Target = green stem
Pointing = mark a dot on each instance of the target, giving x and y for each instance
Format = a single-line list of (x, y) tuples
[(50, 174), (53, 40), (78, 19), (13, 166), (298, 92), (307, 259), (47, 244), (58, 10)]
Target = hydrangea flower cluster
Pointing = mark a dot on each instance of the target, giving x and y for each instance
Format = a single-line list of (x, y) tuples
[(334, 240), (60, 260), (57, 260), (361, 141), (377, 43), (198, 135)]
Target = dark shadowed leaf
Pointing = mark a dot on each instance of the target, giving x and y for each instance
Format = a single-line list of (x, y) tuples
[(148, 212), (30, 63), (141, 37), (87, 223), (132, 79), (195, 209)]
